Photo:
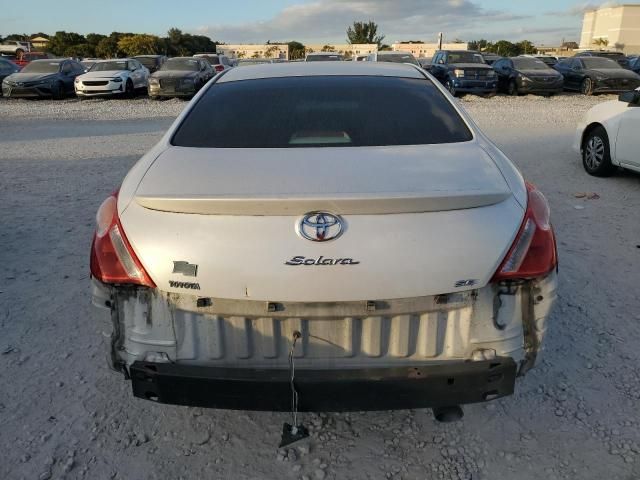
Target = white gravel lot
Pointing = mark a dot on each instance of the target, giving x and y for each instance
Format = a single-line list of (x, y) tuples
[(63, 414)]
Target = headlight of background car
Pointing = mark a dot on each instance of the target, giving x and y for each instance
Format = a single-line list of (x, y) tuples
[(525, 78), (154, 81), (459, 73), (491, 73), (116, 79), (77, 80), (600, 78)]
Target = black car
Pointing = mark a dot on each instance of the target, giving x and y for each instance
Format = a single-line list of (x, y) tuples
[(152, 62), (6, 69), (180, 77), (464, 71), (618, 57), (590, 75), (43, 78), (518, 75)]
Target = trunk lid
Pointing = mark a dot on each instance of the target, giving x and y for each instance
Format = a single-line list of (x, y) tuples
[(418, 220)]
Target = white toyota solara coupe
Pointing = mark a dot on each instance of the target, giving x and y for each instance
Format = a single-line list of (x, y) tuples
[(607, 137), (344, 224)]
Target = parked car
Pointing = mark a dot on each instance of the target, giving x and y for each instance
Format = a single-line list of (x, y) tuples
[(24, 58), (490, 58), (43, 78), (15, 48), (393, 57), (180, 77), (549, 60), (591, 75), (464, 71), (219, 62), (421, 277), (7, 68), (522, 75), (618, 57), (113, 77), (607, 137), (245, 62), (152, 62), (324, 57)]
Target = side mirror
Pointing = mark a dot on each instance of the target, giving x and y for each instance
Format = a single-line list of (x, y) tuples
[(632, 97)]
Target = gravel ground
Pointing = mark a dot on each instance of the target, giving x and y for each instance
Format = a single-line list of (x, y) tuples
[(63, 414)]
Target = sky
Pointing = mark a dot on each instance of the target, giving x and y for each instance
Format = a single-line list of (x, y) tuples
[(545, 22)]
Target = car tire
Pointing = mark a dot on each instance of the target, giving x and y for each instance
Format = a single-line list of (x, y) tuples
[(59, 94), (129, 91), (512, 88), (586, 87), (489, 95), (596, 154)]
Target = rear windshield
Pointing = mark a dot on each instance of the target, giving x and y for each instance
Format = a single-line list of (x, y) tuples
[(397, 58), (324, 58), (188, 64), (599, 62), (213, 60), (321, 111), (41, 67)]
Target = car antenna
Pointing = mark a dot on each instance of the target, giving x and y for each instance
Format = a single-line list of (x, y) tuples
[(293, 432)]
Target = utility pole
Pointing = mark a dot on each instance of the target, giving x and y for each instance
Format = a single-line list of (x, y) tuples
[(440, 41)]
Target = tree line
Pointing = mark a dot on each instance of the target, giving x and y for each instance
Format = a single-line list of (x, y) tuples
[(119, 44)]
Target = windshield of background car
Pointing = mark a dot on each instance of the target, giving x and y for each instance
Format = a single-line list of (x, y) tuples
[(149, 62), (182, 64), (529, 64), (41, 67), (109, 66), (398, 58), (598, 62), (324, 58), (321, 111), (465, 57), (212, 60)]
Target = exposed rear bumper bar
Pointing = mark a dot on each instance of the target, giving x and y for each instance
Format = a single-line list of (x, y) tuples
[(325, 390)]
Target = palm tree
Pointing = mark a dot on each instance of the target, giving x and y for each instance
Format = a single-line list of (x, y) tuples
[(364, 32)]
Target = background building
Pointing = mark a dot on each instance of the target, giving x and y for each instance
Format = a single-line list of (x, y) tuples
[(267, 50), (612, 28), (426, 50), (346, 49), (40, 43)]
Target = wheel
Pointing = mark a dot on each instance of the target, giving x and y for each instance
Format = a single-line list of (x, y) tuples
[(488, 95), (59, 94), (586, 87), (128, 89), (512, 88), (451, 87), (596, 155)]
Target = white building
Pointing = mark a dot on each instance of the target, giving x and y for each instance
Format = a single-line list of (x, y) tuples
[(612, 28), (267, 50), (346, 49)]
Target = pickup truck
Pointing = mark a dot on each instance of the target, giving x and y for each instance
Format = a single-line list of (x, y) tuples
[(14, 48)]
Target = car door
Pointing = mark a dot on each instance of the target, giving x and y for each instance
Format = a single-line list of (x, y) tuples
[(503, 70), (576, 73), (627, 142), (67, 76), (136, 73), (439, 66)]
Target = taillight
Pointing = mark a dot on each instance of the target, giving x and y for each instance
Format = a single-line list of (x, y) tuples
[(112, 259), (218, 68), (533, 253)]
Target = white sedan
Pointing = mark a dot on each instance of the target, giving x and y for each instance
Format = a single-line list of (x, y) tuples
[(607, 137), (347, 238), (113, 77)]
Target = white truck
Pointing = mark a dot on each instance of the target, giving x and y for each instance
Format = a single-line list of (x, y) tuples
[(14, 47)]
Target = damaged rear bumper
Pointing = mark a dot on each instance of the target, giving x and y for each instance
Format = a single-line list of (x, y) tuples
[(325, 390)]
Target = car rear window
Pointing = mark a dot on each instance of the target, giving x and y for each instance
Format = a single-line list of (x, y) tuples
[(599, 62), (321, 111)]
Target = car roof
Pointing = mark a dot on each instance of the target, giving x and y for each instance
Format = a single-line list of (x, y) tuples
[(113, 60), (315, 69), (51, 60)]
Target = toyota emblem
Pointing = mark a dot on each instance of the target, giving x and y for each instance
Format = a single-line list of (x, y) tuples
[(320, 226)]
